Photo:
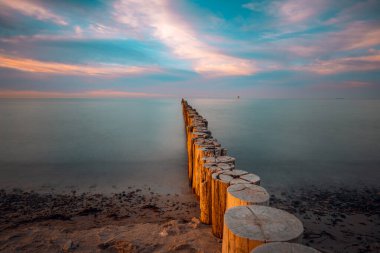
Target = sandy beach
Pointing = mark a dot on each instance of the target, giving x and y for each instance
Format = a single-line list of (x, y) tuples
[(133, 221), (335, 220), (140, 220)]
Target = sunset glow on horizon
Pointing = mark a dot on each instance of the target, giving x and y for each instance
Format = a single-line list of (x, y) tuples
[(128, 48)]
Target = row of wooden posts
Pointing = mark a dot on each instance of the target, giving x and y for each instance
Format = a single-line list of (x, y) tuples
[(231, 200)]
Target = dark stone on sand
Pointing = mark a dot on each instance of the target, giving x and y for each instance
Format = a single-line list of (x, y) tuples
[(151, 207)]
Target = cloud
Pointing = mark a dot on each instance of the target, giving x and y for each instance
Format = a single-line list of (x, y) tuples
[(297, 11), (32, 9), (360, 10), (304, 51), (83, 94), (289, 11), (93, 31), (35, 66), (256, 6), (354, 36), (157, 18), (357, 35), (345, 64)]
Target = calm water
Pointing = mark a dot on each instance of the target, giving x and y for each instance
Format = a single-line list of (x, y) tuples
[(108, 145), (300, 142), (96, 145)]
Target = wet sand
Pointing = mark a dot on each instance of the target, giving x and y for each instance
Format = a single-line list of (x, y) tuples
[(335, 220), (140, 220), (132, 221)]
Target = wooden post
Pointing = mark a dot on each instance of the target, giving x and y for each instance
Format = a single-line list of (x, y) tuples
[(213, 177), (283, 247), (219, 184), (190, 143), (202, 148), (205, 196), (246, 194), (246, 227)]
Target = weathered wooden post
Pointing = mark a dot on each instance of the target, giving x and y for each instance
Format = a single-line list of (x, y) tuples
[(246, 194), (190, 117), (219, 184), (193, 136), (283, 247), (246, 227), (205, 196), (202, 148)]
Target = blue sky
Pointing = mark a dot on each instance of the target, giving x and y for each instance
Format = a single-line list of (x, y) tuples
[(167, 48)]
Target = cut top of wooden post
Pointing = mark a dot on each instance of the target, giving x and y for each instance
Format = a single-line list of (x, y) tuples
[(220, 159), (234, 176), (263, 224), (199, 135), (225, 166), (249, 193), (209, 142), (200, 128), (284, 247), (198, 124), (217, 167)]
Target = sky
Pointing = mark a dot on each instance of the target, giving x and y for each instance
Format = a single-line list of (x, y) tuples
[(190, 48)]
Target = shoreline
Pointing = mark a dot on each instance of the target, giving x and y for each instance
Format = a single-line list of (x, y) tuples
[(133, 221), (140, 220), (336, 219)]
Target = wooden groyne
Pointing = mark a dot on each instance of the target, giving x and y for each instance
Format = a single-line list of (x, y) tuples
[(231, 200)]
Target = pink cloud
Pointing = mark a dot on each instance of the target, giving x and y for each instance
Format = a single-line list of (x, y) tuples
[(35, 66), (304, 51), (93, 31), (32, 9), (356, 35), (297, 11), (355, 11), (156, 17), (346, 64), (83, 94), (290, 11)]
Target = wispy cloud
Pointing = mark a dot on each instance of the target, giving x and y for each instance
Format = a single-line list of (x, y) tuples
[(105, 70), (357, 35), (82, 94), (353, 36), (287, 43), (297, 11), (95, 31), (34, 10), (355, 11), (290, 11), (158, 18), (345, 64)]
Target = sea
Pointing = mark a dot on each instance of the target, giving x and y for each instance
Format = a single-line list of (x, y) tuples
[(110, 145)]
